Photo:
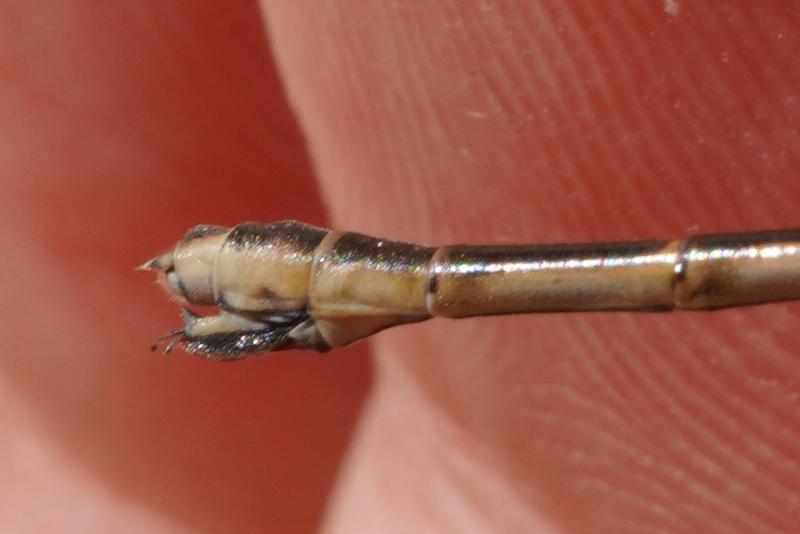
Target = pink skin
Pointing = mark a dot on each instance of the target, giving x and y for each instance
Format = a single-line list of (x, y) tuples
[(507, 121), (433, 121)]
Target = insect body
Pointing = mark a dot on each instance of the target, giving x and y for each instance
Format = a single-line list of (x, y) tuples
[(288, 284)]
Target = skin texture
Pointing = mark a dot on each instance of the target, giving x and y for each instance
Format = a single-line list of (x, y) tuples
[(488, 121), (437, 121), (122, 127)]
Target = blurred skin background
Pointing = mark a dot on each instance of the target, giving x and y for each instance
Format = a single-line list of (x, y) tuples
[(123, 126), (437, 121)]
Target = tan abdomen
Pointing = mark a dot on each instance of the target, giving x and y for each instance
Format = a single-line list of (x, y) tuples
[(360, 285), (482, 280), (266, 267), (735, 270), (703, 272)]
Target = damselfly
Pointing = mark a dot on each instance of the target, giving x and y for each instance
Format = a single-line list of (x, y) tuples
[(288, 284)]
